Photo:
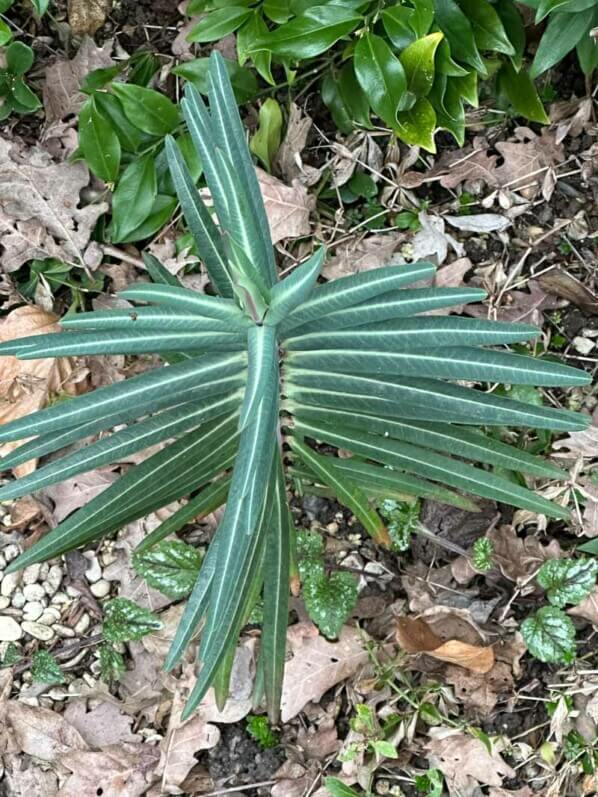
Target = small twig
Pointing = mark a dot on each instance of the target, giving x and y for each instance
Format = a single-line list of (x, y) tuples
[(112, 251), (240, 788)]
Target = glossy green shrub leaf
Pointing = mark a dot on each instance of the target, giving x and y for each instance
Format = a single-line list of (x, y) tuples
[(562, 34), (219, 23), (550, 635), (522, 93), (171, 566), (587, 52), (512, 22), (381, 76), (159, 215), (567, 580), (488, 30), (418, 63), (266, 140), (312, 32), (242, 80), (98, 78), (134, 198), (345, 99), (423, 16), (45, 669), (398, 25), (5, 33), (98, 142), (146, 109), (124, 621), (111, 109), (112, 663), (329, 601), (19, 58), (337, 788), (278, 11), (253, 30), (416, 126), (459, 32)]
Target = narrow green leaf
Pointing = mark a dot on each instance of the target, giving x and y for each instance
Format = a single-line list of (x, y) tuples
[(295, 289), (562, 34), (218, 23), (98, 142), (522, 93), (265, 142), (183, 299), (381, 76), (157, 272), (147, 109), (148, 318), (134, 197), (242, 80)]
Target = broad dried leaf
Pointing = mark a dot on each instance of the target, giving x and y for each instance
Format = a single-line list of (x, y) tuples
[(588, 608), (287, 207), (24, 779), (560, 283), (432, 241), (125, 770), (581, 443), (457, 166), (480, 222), (481, 693), (527, 160), (288, 158), (61, 93), (361, 254), (518, 558), (42, 733), (40, 215), (465, 762), (416, 636), (87, 16), (26, 385), (317, 665), (102, 725), (74, 493)]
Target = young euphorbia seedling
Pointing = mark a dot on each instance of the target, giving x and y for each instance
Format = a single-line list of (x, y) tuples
[(262, 370)]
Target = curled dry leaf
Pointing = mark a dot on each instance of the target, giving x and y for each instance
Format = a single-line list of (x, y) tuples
[(361, 254), (480, 222), (317, 665), (588, 608), (27, 385), (287, 207), (465, 762), (432, 241), (415, 635), (87, 16), (518, 558), (42, 733), (124, 770), (40, 215), (61, 92), (23, 779), (581, 443), (560, 283), (288, 158), (101, 725)]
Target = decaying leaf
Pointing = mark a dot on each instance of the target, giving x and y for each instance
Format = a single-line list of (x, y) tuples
[(457, 166), (288, 159), (100, 725), (317, 665), (361, 254), (563, 284), (26, 385), (61, 93), (588, 608), (415, 635), (42, 733), (527, 159), (77, 491), (124, 770), (479, 222), (465, 761), (584, 443), (87, 16), (518, 558), (40, 215), (432, 241), (287, 207), (22, 778)]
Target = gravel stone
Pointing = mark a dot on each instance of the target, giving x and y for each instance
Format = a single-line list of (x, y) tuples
[(39, 631), (60, 598), (9, 583), (4, 602), (50, 616), (2, 561), (53, 580), (33, 611), (34, 592), (10, 630), (63, 630), (18, 599), (100, 589), (31, 574), (94, 571), (11, 551), (83, 624)]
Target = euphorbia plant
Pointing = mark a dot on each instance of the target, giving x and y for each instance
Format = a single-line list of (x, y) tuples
[(261, 371)]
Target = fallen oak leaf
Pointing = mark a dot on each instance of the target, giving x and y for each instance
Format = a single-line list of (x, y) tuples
[(559, 282), (287, 207), (42, 733), (414, 635), (123, 770)]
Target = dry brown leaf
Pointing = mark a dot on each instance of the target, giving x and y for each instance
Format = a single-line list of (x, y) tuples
[(518, 558), (288, 158), (24, 779), (124, 770), (64, 78), (523, 792), (317, 665), (481, 693), (416, 636), (527, 160), (465, 762), (40, 215), (287, 207), (102, 725), (432, 240), (26, 385), (78, 491), (588, 608), (519, 306), (584, 443), (361, 254), (560, 283), (42, 733), (456, 167), (87, 16)]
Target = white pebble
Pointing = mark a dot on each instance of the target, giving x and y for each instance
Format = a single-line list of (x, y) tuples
[(583, 345), (43, 570), (2, 561), (9, 583), (108, 558), (94, 571), (39, 631), (100, 589), (31, 574), (72, 592), (53, 580), (33, 610), (11, 551), (83, 624), (60, 598), (50, 616), (10, 630), (63, 630), (4, 602), (34, 592), (18, 599)]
